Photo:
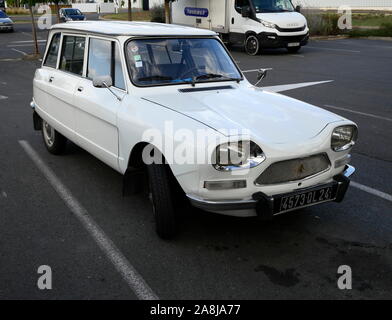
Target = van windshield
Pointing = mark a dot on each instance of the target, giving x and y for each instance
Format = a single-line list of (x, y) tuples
[(175, 61), (2, 14), (273, 6)]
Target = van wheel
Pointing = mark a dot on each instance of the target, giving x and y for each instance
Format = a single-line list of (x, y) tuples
[(162, 200), (252, 45), (293, 49), (54, 141)]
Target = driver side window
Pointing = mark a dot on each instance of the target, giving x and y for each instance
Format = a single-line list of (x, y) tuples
[(239, 4)]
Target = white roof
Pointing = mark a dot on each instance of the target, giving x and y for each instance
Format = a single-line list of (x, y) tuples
[(132, 28)]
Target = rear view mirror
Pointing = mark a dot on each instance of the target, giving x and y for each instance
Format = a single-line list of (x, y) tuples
[(298, 8), (102, 82), (105, 82), (261, 74), (245, 12)]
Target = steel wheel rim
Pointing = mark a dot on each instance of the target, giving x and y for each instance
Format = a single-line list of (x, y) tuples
[(252, 45), (48, 134)]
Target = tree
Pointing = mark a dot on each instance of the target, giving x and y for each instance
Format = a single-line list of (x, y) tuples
[(129, 10), (167, 11), (30, 4)]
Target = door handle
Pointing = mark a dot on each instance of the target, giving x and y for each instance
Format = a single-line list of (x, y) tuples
[(80, 89), (51, 79)]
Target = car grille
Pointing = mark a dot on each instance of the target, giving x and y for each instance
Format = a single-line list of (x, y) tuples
[(293, 38), (290, 29), (294, 169)]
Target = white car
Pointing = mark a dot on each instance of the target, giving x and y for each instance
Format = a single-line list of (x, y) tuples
[(134, 94)]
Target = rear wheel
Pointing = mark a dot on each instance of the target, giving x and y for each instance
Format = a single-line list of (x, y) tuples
[(252, 45), (54, 141), (293, 49), (162, 199)]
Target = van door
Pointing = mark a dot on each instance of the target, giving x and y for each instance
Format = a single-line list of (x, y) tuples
[(96, 108), (237, 22)]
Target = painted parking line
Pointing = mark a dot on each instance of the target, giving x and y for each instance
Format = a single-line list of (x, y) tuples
[(3, 97), (122, 265), (372, 191), (27, 41), (19, 51), (359, 112), (25, 45), (287, 87), (333, 49)]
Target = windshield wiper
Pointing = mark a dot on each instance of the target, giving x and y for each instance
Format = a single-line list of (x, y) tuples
[(215, 75), (157, 77)]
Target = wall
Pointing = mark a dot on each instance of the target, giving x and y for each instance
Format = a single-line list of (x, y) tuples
[(355, 4)]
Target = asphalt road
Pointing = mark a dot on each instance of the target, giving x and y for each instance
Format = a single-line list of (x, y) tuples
[(215, 257)]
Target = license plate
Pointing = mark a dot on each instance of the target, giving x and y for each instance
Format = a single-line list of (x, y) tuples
[(303, 199), (294, 44)]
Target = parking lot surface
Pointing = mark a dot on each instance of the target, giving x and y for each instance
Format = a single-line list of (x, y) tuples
[(296, 255)]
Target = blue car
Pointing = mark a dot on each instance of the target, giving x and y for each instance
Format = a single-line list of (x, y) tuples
[(71, 14), (6, 23)]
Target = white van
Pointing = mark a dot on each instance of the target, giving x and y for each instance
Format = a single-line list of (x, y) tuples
[(256, 24)]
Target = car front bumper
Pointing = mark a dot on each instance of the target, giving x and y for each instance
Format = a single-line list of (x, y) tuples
[(263, 204), (6, 26), (273, 40)]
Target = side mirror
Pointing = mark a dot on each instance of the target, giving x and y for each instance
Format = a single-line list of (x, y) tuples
[(261, 74), (102, 82), (298, 8), (245, 12)]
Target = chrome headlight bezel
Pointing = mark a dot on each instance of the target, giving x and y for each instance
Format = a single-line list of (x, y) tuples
[(344, 137), (238, 155)]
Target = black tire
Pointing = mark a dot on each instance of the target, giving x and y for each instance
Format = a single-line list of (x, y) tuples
[(293, 49), (54, 142), (252, 45), (162, 200)]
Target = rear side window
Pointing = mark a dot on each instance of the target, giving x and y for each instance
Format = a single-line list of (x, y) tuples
[(51, 57), (104, 60), (72, 55)]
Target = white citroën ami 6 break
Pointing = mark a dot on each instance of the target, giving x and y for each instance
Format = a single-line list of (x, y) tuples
[(116, 88)]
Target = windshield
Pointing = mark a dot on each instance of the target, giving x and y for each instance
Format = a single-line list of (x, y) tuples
[(73, 12), (2, 14), (176, 61), (273, 6)]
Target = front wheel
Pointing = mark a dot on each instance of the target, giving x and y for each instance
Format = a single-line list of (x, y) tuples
[(162, 200), (293, 49), (54, 142), (252, 45)]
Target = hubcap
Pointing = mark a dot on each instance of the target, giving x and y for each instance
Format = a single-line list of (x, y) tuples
[(48, 134)]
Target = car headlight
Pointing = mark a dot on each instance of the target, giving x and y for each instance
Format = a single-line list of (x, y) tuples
[(344, 137), (237, 155), (268, 24)]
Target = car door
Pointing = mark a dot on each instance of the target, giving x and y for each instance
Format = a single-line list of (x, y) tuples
[(61, 82), (97, 108)]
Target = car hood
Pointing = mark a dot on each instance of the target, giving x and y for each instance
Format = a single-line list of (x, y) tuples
[(270, 117), (5, 20), (284, 19)]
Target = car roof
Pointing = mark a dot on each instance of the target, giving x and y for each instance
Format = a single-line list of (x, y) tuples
[(127, 28)]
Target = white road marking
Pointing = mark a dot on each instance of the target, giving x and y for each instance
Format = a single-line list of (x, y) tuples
[(297, 55), (334, 49), (4, 194), (360, 113), (286, 87), (247, 71), (27, 41), (3, 97), (24, 45), (127, 271), (372, 191), (22, 52)]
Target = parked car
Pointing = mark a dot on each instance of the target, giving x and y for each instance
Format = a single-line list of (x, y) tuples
[(111, 86), (6, 24), (71, 14), (255, 24)]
